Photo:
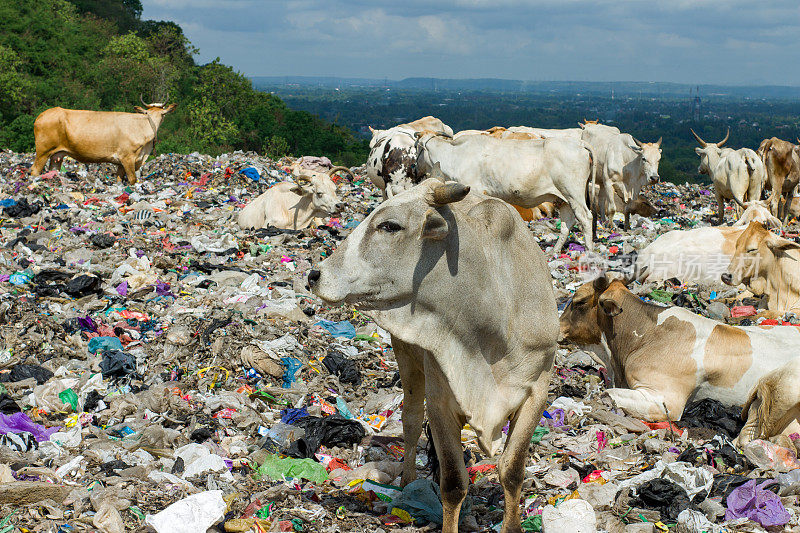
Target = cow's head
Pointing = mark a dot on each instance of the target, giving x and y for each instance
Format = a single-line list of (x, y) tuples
[(706, 150), (426, 166), (398, 162), (588, 314), (651, 156), (758, 211), (320, 191), (157, 108), (755, 256), (377, 265)]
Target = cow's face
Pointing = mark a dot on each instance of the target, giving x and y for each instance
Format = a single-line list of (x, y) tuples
[(705, 155), (377, 264), (321, 192), (755, 254), (578, 323), (156, 109), (651, 156)]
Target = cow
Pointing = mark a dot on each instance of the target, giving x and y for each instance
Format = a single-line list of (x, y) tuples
[(293, 205), (626, 166), (485, 363), (782, 163), (390, 164), (124, 139), (545, 133), (524, 173), (769, 265), (699, 255), (660, 357), (773, 409), (737, 175)]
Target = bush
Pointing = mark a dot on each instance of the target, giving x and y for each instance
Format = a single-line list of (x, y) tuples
[(18, 134)]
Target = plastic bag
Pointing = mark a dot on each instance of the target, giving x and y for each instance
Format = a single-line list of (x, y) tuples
[(339, 329), (21, 423), (334, 430), (756, 503), (663, 495), (23, 372), (571, 516), (340, 366), (193, 514), (422, 500), (765, 454), (279, 469), (117, 364)]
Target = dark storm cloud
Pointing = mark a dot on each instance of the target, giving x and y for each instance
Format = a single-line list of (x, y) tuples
[(704, 41)]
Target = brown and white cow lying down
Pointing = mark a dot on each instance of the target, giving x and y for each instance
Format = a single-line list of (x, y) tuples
[(767, 264), (660, 357), (466, 294), (293, 205), (773, 409)]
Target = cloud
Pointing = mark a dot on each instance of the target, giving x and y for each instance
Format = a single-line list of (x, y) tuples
[(704, 41)]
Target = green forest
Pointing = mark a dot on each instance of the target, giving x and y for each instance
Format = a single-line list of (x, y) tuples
[(100, 55)]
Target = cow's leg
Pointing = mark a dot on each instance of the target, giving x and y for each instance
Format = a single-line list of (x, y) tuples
[(751, 428), (453, 480), (627, 225), (648, 404), (721, 208), (594, 226), (446, 424), (567, 221), (584, 216), (120, 172), (784, 216), (512, 462), (130, 170), (412, 378), (39, 163)]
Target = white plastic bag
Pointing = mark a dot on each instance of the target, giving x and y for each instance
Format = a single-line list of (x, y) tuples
[(194, 514)]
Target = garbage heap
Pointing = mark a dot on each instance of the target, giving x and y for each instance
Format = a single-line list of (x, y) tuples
[(163, 370)]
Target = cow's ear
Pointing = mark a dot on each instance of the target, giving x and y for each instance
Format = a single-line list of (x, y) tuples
[(301, 189), (609, 306), (600, 284), (170, 108), (698, 151), (434, 226), (782, 245), (140, 110)]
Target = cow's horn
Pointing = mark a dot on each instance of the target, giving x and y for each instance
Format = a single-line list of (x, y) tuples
[(696, 136), (302, 177), (142, 100), (337, 169), (637, 141), (719, 144), (449, 192)]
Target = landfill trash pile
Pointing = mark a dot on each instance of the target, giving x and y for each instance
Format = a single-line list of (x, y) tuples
[(163, 370)]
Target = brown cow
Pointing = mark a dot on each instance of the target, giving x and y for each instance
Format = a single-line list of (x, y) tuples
[(125, 139), (782, 162)]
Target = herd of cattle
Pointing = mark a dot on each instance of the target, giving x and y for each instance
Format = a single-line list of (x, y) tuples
[(449, 231)]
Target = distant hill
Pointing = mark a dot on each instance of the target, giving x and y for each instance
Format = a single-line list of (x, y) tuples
[(621, 88)]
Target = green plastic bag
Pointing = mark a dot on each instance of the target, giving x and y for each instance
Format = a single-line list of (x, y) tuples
[(68, 396), (538, 433), (277, 469), (532, 523)]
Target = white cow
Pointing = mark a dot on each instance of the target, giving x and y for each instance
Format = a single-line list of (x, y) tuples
[(737, 175), (391, 157), (293, 205), (625, 165), (466, 294), (545, 133), (521, 172), (698, 255)]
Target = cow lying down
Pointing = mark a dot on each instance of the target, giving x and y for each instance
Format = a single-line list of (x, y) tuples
[(466, 294), (661, 357), (698, 255), (293, 205), (773, 409)]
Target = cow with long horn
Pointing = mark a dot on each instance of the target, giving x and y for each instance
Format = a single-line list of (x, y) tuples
[(124, 139), (465, 292), (737, 175)]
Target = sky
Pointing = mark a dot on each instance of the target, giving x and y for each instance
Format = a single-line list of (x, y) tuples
[(739, 42)]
